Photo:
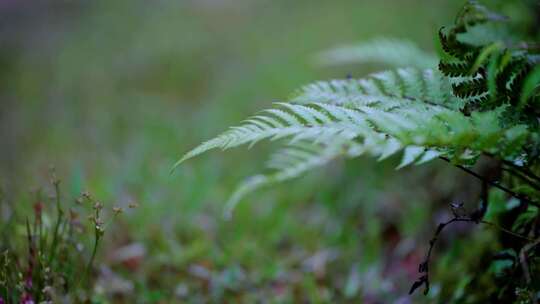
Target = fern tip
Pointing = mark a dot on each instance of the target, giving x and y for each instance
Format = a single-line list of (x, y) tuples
[(178, 163)]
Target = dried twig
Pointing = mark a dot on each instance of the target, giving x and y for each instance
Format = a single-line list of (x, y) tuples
[(423, 268)]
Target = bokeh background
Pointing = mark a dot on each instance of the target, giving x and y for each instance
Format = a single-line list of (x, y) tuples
[(112, 93)]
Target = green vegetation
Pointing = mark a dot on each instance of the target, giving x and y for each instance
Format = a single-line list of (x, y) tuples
[(110, 92), (54, 266), (484, 101)]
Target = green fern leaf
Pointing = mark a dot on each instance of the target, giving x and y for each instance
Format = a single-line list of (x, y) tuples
[(387, 51), (406, 109), (286, 164), (410, 154)]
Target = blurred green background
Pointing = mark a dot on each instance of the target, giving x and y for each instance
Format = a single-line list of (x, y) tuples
[(112, 93)]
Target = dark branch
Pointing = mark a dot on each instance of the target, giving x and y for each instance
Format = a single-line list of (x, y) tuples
[(523, 177), (495, 184), (525, 264), (523, 170), (423, 268)]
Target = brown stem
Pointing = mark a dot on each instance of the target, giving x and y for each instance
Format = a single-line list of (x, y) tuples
[(495, 184), (523, 259), (524, 178), (424, 266), (525, 264), (523, 170)]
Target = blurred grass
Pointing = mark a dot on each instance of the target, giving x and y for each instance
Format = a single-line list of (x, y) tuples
[(113, 92)]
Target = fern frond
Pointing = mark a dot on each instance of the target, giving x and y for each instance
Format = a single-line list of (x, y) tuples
[(469, 88), (388, 51), (387, 112), (531, 87), (455, 69), (503, 78), (517, 80), (297, 159), (286, 164), (397, 103), (382, 90), (452, 46), (299, 122), (410, 154), (478, 13)]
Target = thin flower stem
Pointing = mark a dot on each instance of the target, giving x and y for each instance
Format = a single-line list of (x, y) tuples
[(60, 213), (92, 258), (85, 278)]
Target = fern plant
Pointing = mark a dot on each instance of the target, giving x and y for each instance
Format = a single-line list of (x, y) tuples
[(481, 99)]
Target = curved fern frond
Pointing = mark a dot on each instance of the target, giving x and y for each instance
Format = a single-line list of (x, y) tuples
[(455, 68), (408, 110), (531, 87), (453, 46), (295, 160), (388, 51), (384, 90), (298, 122), (469, 88), (286, 164)]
